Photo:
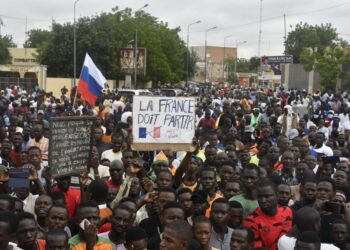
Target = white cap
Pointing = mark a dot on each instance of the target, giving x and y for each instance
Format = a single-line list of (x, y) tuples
[(292, 133)]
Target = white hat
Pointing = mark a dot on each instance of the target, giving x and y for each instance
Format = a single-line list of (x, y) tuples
[(292, 133)]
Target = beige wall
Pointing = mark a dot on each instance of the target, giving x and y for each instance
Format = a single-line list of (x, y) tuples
[(216, 54), (55, 84)]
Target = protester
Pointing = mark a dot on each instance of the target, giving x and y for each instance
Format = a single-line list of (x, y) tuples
[(245, 144)]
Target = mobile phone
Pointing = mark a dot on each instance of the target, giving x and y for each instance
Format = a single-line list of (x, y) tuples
[(334, 207), (19, 178), (82, 223), (331, 159)]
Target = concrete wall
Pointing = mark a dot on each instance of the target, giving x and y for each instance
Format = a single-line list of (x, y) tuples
[(297, 77)]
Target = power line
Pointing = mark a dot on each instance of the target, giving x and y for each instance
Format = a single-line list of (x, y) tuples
[(279, 16), (33, 19)]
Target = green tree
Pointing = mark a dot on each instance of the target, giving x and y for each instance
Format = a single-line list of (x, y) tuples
[(5, 43), (37, 38), (192, 60), (243, 65), (103, 35), (254, 63), (305, 35), (230, 68)]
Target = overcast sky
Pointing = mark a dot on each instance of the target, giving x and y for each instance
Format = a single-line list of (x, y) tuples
[(239, 18)]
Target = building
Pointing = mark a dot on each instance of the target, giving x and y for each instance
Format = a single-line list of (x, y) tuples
[(216, 72), (24, 69), (247, 79)]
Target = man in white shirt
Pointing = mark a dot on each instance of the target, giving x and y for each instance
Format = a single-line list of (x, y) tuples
[(115, 153), (306, 219), (116, 104), (95, 168), (288, 119), (320, 147)]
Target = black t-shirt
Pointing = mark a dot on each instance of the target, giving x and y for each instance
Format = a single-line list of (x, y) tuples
[(150, 226), (225, 116), (300, 204)]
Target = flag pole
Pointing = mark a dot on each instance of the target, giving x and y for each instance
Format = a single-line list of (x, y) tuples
[(76, 90)]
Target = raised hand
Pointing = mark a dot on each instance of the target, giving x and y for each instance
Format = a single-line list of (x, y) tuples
[(33, 173), (83, 179)]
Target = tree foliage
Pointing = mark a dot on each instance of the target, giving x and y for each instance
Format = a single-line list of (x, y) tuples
[(305, 35), (192, 61), (37, 38), (254, 63), (5, 43), (103, 36), (243, 65)]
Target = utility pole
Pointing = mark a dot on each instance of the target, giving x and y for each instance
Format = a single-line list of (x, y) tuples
[(188, 51), (135, 48), (205, 53), (25, 38), (260, 31), (75, 48), (285, 37), (1, 24), (237, 44), (223, 58)]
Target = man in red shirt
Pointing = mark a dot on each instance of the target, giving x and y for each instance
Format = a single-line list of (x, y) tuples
[(269, 222), (207, 121), (116, 171), (72, 195), (15, 153)]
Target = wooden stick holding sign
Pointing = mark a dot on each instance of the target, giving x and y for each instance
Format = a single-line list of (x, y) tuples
[(70, 144), (163, 123)]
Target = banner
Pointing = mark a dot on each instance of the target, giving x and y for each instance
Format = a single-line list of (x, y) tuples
[(127, 61), (163, 122), (271, 65)]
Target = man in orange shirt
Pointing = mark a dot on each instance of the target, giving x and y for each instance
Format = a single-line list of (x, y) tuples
[(98, 191), (88, 219), (208, 182)]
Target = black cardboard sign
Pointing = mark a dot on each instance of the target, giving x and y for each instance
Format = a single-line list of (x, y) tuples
[(70, 144)]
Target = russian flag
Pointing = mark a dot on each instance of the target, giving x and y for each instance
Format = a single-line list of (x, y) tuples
[(91, 81)]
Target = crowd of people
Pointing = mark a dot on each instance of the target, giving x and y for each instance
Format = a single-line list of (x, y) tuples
[(270, 170)]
